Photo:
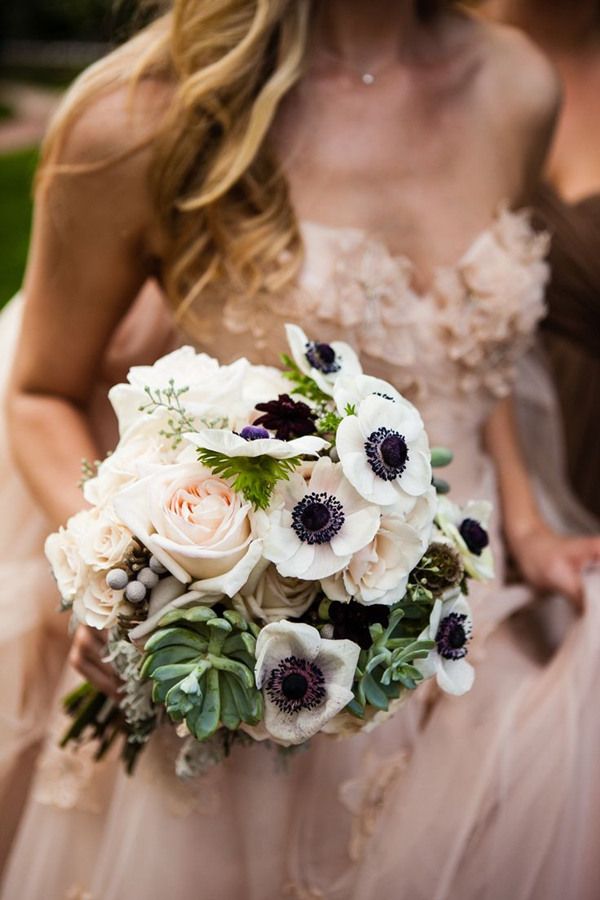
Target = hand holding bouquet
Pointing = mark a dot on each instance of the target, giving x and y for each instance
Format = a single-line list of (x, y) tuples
[(269, 553)]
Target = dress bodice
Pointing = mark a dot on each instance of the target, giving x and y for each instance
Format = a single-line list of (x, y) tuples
[(451, 348)]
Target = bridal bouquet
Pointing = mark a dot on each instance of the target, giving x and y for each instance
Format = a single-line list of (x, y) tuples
[(269, 554)]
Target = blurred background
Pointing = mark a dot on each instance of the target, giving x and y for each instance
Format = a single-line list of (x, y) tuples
[(43, 46)]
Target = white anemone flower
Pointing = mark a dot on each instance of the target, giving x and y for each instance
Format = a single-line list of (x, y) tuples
[(305, 679), (379, 572), (322, 362), (384, 451), (450, 626), (467, 529), (254, 441), (352, 390), (312, 529)]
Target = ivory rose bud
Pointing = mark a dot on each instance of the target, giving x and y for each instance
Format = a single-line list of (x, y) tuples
[(195, 524), (269, 597)]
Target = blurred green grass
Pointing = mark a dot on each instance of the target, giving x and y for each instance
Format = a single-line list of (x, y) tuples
[(16, 176)]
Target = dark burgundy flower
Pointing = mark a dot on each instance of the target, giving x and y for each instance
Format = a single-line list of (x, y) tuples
[(351, 621), (287, 418)]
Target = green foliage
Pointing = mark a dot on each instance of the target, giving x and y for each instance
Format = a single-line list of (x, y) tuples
[(441, 486), (329, 420), (254, 477), (202, 666), (97, 718), (386, 668), (441, 456), (302, 383), (16, 176)]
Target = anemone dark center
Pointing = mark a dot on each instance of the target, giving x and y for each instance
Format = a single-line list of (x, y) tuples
[(317, 518), (322, 357), (254, 433), (296, 684), (452, 636), (475, 537), (387, 453)]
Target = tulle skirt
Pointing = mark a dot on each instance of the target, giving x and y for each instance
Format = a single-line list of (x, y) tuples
[(492, 796)]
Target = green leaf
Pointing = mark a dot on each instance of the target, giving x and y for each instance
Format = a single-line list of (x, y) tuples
[(374, 693), (441, 456), (303, 384), (357, 709), (441, 486), (240, 671), (179, 637), (230, 716), (167, 656), (169, 672), (195, 614), (203, 720), (253, 477)]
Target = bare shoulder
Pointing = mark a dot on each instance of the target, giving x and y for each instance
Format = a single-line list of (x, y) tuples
[(113, 122), (520, 78), (105, 141)]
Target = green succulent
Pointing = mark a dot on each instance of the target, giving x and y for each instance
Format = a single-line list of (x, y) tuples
[(385, 669), (202, 666)]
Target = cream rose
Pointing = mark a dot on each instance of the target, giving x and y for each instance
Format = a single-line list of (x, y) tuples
[(103, 541), (379, 572), (64, 555), (195, 524), (269, 597), (98, 605)]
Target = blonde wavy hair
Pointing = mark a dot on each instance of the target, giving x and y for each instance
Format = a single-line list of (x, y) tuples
[(221, 197)]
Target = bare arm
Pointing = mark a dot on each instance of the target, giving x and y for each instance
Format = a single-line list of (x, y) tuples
[(547, 560), (91, 253), (93, 245)]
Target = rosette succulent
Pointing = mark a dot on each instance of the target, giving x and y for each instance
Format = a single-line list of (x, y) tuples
[(202, 666)]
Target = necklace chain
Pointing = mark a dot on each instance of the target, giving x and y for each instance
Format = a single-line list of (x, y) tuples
[(368, 76)]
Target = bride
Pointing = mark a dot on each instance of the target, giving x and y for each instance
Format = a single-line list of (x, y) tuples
[(357, 168)]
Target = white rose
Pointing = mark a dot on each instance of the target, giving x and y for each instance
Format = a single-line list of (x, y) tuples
[(103, 541), (133, 458), (98, 605), (379, 572), (64, 555), (210, 388), (269, 597), (195, 524)]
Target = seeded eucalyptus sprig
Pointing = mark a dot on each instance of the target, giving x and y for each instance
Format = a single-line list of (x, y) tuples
[(253, 477), (169, 399)]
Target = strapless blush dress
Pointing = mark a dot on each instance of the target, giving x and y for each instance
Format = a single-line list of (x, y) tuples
[(492, 796)]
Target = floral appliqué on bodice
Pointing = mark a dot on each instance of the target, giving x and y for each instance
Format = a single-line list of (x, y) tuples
[(463, 334)]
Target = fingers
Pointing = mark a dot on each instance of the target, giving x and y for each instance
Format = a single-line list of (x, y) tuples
[(565, 577), (86, 656)]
